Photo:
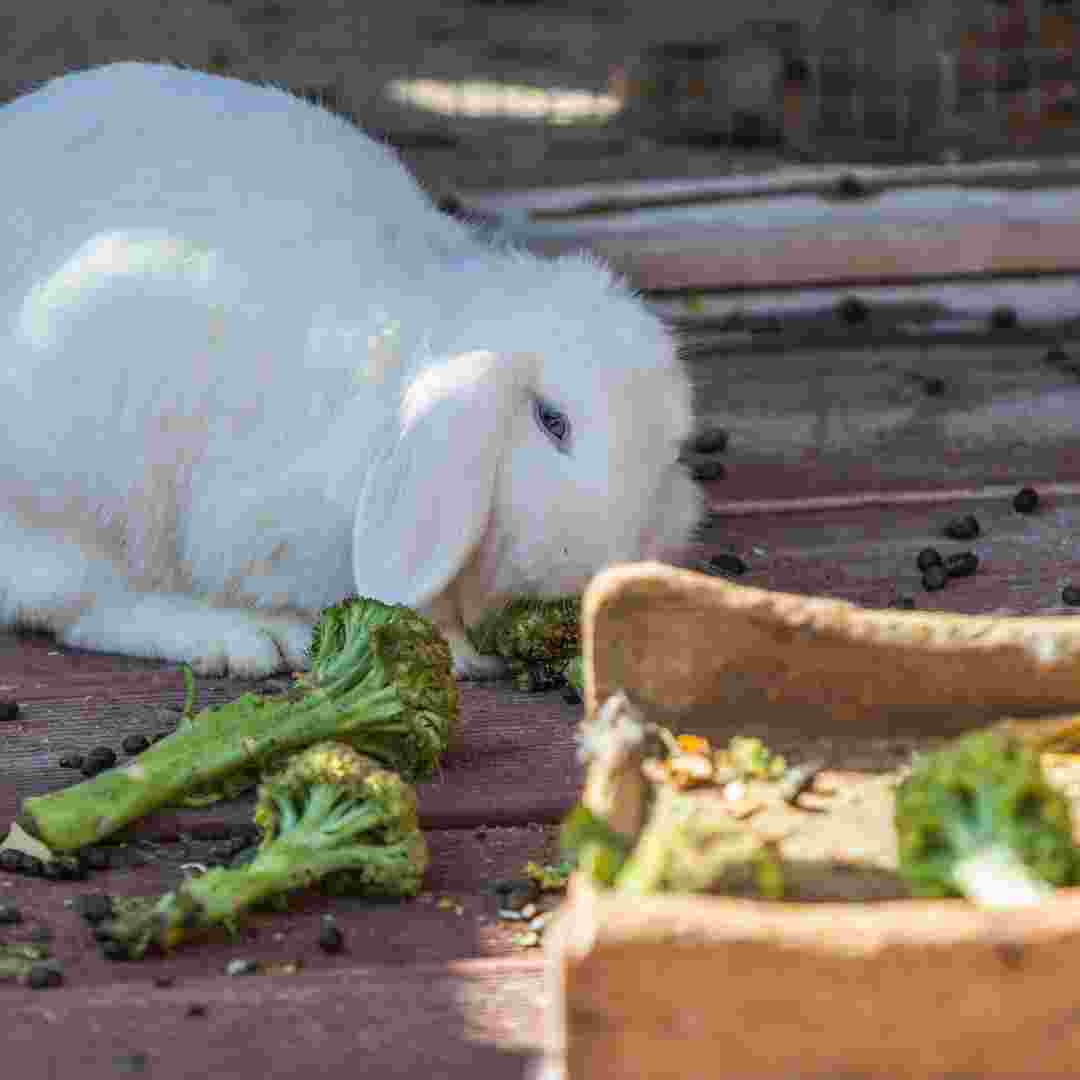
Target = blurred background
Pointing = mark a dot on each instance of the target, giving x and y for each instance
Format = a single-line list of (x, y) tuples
[(861, 217), (511, 93)]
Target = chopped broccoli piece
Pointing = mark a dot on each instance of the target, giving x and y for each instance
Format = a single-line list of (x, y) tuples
[(978, 818), (752, 759), (381, 680), (688, 846), (331, 816), (593, 845), (549, 878), (536, 637)]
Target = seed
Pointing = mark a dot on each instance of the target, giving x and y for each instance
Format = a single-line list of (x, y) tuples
[(1003, 317), (68, 868), (44, 976), (96, 858), (849, 186), (708, 441), (963, 528), (934, 578), (1056, 357), (9, 709), (928, 557), (515, 893), (962, 564), (94, 907), (195, 1008), (11, 861), (134, 744), (241, 967), (1070, 595), (1025, 500), (726, 564), (114, 950), (705, 471), (32, 866), (72, 761), (852, 310), (98, 760), (9, 915), (330, 937)]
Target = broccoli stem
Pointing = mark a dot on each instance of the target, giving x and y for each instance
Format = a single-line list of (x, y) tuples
[(988, 872), (223, 895), (242, 735), (994, 877)]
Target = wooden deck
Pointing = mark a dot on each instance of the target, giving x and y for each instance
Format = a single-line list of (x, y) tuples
[(829, 489)]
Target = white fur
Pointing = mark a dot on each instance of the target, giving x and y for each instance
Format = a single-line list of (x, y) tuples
[(247, 369)]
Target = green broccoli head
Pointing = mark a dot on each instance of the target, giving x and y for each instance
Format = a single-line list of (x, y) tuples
[(343, 804), (537, 638), (359, 646), (331, 817), (983, 800)]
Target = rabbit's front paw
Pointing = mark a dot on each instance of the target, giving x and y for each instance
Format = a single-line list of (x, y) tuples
[(214, 641)]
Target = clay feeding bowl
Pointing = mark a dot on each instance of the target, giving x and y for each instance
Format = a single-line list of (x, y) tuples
[(684, 986)]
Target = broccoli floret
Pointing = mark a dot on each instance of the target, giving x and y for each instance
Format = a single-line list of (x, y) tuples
[(331, 816), (536, 637), (381, 681), (978, 818), (592, 845), (689, 846)]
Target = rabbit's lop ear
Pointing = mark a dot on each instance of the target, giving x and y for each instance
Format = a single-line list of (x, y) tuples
[(427, 497)]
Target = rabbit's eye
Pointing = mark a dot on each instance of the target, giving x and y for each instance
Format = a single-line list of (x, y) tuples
[(555, 425)]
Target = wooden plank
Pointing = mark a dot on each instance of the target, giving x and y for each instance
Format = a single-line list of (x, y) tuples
[(810, 255), (471, 1019), (655, 987), (706, 654), (515, 765), (866, 553), (454, 918)]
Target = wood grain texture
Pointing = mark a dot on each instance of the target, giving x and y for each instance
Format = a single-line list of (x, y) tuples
[(692, 647), (451, 1021), (655, 988)]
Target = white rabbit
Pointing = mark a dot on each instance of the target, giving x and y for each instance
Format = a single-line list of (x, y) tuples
[(249, 369)]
